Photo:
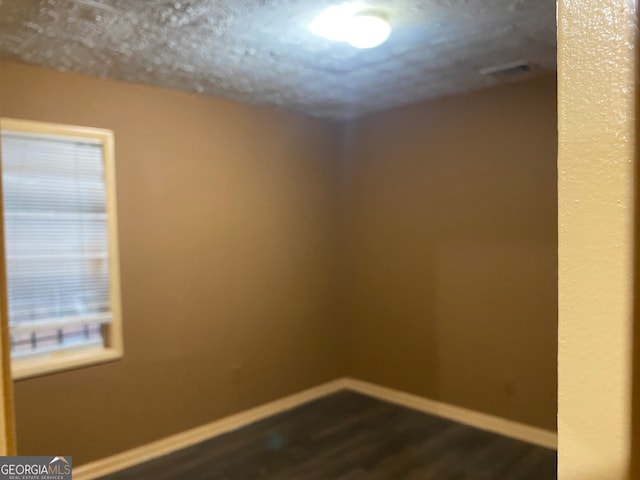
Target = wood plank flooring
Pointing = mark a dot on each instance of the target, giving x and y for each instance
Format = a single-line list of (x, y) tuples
[(348, 436)]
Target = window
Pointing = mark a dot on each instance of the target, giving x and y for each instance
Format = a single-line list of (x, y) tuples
[(61, 252)]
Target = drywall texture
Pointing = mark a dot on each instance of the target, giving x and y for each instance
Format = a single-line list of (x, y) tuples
[(596, 204), (263, 52), (225, 216), (449, 261)]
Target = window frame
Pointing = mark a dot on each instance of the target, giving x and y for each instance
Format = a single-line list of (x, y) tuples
[(113, 348)]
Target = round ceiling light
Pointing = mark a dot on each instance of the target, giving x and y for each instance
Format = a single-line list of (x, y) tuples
[(352, 24), (368, 31)]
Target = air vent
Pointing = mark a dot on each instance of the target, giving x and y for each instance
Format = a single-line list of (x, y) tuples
[(505, 70)]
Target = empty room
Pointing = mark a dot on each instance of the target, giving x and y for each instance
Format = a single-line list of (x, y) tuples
[(281, 239)]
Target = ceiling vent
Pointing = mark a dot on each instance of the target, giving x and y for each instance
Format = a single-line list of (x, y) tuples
[(508, 70)]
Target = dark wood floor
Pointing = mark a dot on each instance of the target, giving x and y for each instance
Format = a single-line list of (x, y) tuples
[(347, 436)]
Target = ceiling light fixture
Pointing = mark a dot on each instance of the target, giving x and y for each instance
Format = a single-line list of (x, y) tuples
[(350, 23)]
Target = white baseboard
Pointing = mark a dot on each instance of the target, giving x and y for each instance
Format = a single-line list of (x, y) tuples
[(159, 448), (508, 428), (196, 435)]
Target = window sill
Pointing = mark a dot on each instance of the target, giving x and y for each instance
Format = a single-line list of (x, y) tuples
[(34, 367)]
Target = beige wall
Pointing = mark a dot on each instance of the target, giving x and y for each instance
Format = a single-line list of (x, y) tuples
[(225, 218), (230, 218), (597, 154), (449, 259)]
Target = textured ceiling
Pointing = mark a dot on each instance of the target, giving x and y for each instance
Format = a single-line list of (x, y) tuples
[(260, 51)]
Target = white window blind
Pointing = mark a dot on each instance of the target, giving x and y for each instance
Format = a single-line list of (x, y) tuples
[(56, 242)]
